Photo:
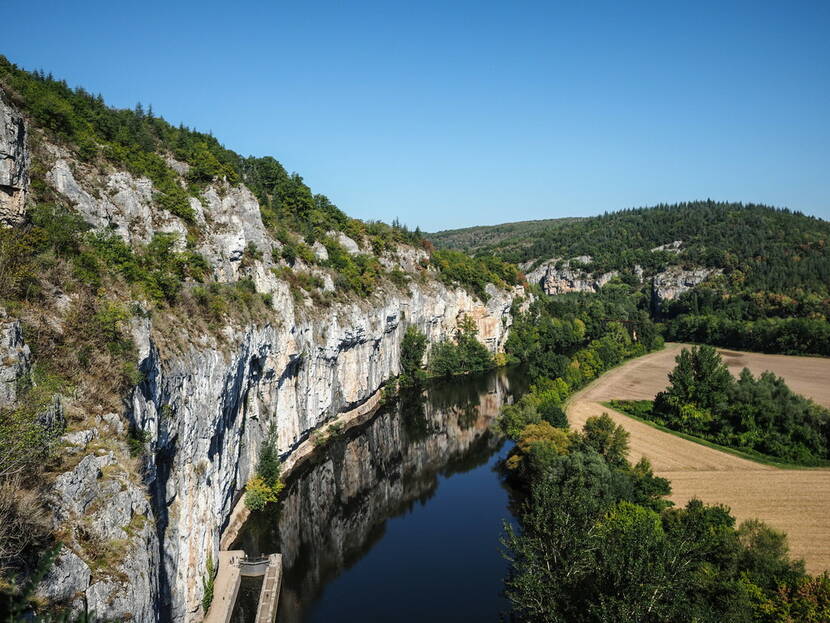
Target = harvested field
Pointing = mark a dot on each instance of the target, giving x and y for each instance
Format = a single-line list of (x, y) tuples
[(796, 501)]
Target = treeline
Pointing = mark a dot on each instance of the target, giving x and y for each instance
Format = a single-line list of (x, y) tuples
[(600, 544), (760, 416), (758, 321)]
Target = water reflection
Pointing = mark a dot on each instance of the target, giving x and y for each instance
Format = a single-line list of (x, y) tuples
[(336, 508)]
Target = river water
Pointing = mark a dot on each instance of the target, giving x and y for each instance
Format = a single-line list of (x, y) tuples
[(400, 518)]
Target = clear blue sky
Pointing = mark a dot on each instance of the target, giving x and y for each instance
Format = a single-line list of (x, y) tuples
[(448, 114)]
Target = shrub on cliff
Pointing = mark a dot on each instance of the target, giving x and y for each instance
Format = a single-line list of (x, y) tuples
[(413, 346), (463, 355), (267, 484)]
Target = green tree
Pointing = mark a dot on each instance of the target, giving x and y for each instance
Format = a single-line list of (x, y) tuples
[(607, 439), (413, 347)]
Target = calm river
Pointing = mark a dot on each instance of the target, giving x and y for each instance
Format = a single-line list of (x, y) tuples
[(399, 520)]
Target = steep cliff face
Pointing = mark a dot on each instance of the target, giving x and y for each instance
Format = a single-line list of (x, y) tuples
[(207, 399), (14, 164), (209, 408)]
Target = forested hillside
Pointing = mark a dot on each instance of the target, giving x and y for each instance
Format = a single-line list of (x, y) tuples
[(742, 276), (479, 237), (759, 247)]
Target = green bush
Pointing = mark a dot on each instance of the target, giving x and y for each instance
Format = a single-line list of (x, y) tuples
[(208, 583), (267, 484), (413, 347), (474, 273), (759, 415), (463, 355)]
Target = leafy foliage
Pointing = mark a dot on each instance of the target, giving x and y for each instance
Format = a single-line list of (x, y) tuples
[(413, 348), (267, 484), (598, 543), (457, 268), (463, 355), (762, 321), (758, 415)]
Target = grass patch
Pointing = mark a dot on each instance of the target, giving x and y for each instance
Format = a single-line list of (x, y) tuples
[(635, 409)]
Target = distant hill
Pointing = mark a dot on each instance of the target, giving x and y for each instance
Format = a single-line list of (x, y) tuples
[(759, 247), (480, 237)]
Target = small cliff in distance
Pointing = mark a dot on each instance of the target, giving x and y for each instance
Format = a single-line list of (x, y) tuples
[(168, 304)]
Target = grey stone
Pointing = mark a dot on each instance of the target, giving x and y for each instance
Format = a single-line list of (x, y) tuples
[(79, 487), (674, 281), (78, 440), (14, 164), (564, 278), (66, 580), (15, 358), (320, 251)]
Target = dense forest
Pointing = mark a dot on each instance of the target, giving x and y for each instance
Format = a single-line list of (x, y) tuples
[(771, 292)]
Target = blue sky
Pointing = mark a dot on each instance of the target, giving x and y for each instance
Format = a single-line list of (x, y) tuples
[(450, 114)]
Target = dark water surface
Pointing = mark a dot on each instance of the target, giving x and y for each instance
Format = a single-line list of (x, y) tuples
[(399, 520)]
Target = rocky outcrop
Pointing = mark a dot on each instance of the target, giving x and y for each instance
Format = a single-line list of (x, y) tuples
[(14, 358), (675, 280), (676, 246), (557, 276), (14, 164)]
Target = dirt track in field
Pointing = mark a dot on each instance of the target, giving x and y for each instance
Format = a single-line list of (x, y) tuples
[(796, 501)]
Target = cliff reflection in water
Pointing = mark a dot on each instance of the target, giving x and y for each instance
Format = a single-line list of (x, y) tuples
[(336, 507)]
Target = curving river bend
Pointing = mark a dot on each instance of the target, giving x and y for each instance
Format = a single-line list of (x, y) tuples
[(400, 518)]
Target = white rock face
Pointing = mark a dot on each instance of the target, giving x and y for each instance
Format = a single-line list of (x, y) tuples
[(675, 280), (565, 279), (672, 247), (14, 164), (347, 243), (667, 284)]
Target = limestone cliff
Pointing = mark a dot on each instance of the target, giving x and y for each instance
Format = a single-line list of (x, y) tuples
[(14, 164), (562, 276), (559, 276), (206, 399)]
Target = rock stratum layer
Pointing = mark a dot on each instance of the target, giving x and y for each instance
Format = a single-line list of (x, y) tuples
[(207, 399)]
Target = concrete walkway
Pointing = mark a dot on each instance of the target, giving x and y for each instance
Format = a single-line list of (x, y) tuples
[(270, 593), (225, 587)]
